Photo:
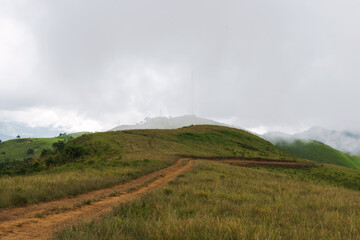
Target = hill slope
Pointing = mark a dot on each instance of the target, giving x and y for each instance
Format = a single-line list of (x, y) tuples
[(95, 161), (318, 152), (200, 140), (16, 149), (344, 141)]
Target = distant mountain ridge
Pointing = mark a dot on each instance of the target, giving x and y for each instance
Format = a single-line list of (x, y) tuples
[(345, 141), (169, 123)]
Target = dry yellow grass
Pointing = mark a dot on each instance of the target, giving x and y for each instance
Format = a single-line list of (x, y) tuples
[(217, 201)]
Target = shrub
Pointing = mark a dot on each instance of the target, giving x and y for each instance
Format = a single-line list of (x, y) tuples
[(49, 162), (60, 145), (75, 151), (30, 151)]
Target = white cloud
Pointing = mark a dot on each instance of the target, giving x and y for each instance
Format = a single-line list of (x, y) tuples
[(68, 120), (18, 56), (259, 65)]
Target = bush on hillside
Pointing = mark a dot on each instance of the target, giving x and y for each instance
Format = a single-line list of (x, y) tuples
[(62, 153), (19, 167)]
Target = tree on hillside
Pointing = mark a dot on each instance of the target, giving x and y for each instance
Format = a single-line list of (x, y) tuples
[(30, 151), (18, 136), (59, 145), (0, 141)]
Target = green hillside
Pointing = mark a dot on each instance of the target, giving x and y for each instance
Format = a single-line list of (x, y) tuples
[(17, 149), (319, 152), (200, 141), (212, 200), (103, 159)]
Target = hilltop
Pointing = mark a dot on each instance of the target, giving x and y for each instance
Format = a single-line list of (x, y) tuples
[(159, 144), (148, 150), (169, 123), (198, 140)]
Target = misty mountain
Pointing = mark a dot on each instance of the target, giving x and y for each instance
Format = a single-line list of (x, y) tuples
[(345, 141), (169, 123), (319, 152), (9, 130), (276, 136)]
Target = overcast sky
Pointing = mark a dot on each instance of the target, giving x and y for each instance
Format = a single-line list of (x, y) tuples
[(262, 65)]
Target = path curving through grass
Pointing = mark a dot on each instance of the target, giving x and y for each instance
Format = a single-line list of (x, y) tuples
[(40, 220)]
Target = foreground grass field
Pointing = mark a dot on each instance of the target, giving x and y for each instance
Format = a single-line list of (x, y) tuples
[(51, 185), (220, 201), (99, 160)]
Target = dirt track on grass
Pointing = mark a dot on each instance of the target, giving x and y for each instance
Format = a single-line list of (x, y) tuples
[(39, 221), (265, 163)]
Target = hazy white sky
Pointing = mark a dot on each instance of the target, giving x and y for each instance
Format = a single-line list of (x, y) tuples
[(263, 65)]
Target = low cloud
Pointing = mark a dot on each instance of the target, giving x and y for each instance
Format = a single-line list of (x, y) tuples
[(90, 65)]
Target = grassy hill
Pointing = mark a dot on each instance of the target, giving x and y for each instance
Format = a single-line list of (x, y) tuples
[(212, 201), (319, 152), (200, 140), (16, 149), (103, 159)]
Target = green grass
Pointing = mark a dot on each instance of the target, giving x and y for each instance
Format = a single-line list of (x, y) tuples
[(16, 149), (325, 174), (72, 135), (211, 201), (202, 140), (62, 182), (356, 159), (108, 154), (319, 152), (220, 201)]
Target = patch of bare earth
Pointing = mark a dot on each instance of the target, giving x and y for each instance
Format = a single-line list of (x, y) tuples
[(244, 162)]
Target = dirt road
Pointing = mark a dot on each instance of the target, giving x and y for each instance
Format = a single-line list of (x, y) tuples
[(40, 220), (259, 163)]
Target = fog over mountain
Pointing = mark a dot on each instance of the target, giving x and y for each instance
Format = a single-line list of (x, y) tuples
[(169, 123), (87, 65), (345, 141)]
